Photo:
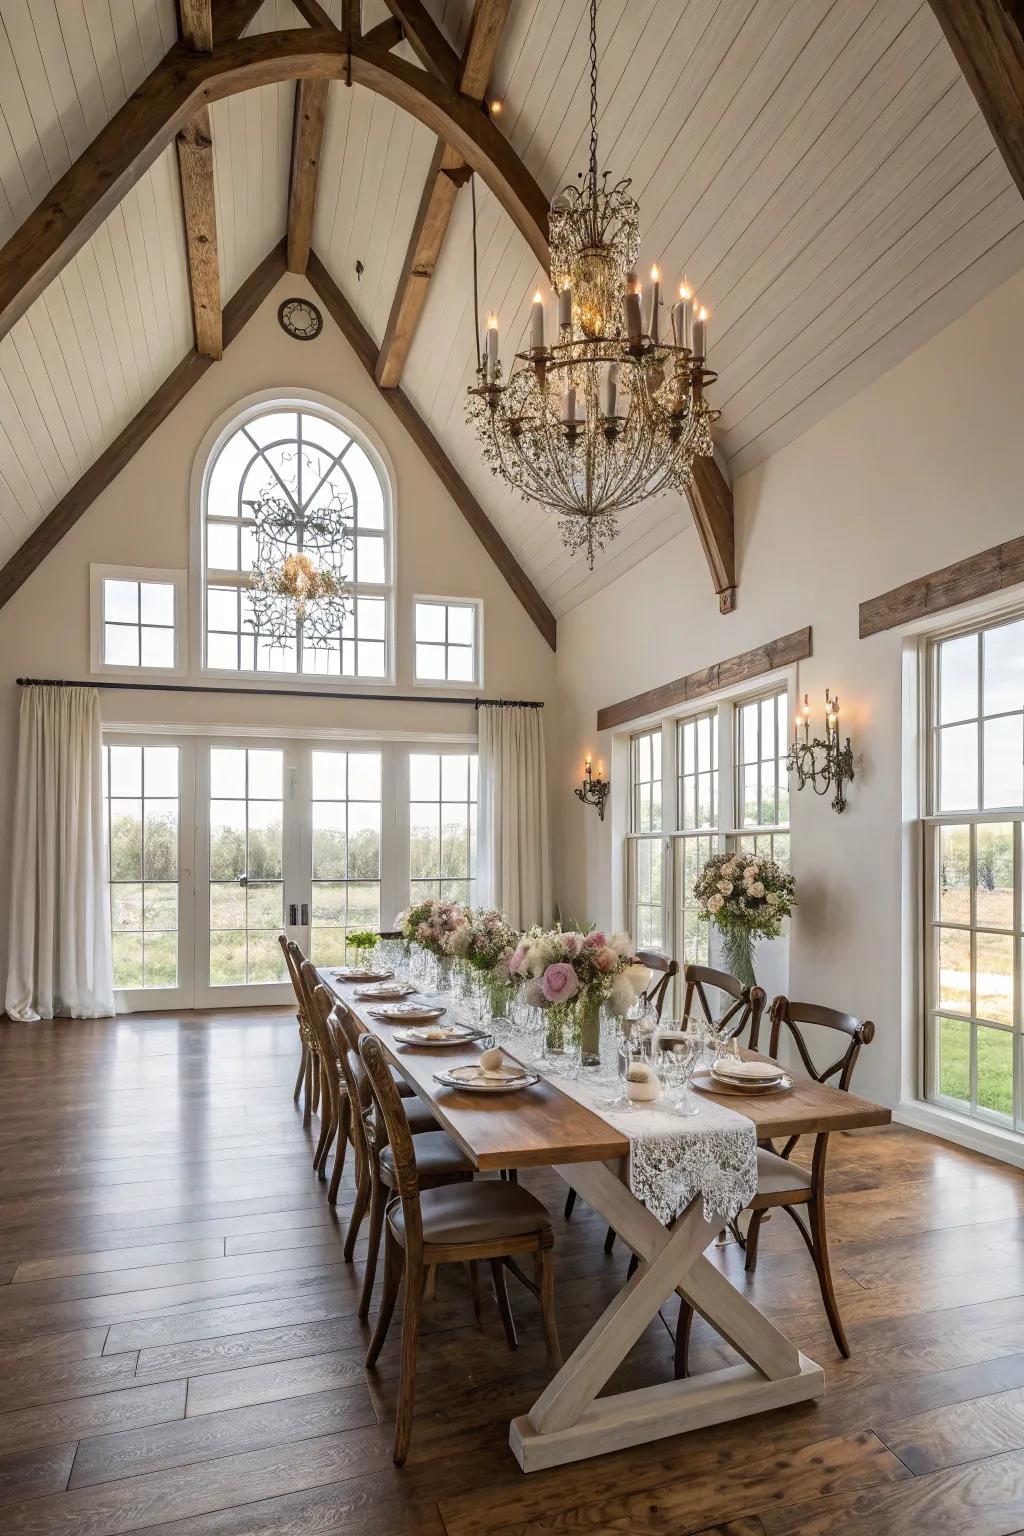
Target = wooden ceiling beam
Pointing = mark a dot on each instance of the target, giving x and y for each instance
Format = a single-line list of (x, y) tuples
[(77, 501), (448, 172), (196, 17), (362, 344), (185, 81), (710, 498), (987, 38), (307, 144), (426, 39), (195, 163)]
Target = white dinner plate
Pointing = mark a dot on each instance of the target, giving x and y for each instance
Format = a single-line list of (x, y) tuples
[(708, 1083), (455, 1034), (407, 1013), (360, 973), (748, 1071), (474, 1079), (384, 991)]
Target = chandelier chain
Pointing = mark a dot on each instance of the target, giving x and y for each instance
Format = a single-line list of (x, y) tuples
[(593, 109)]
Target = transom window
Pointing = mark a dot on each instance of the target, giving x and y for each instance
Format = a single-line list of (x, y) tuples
[(447, 641), (974, 932), (310, 461), (138, 619)]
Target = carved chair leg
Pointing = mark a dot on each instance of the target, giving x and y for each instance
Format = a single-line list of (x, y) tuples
[(609, 1240), (362, 1200), (544, 1271), (684, 1327), (570, 1202), (753, 1233), (340, 1149), (410, 1350), (316, 1083), (501, 1297), (303, 1053), (394, 1263), (326, 1129), (816, 1213), (378, 1204)]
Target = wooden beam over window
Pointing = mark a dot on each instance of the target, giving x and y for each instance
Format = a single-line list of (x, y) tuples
[(362, 344), (448, 172), (697, 685), (710, 498), (113, 459), (307, 145), (987, 37), (963, 582)]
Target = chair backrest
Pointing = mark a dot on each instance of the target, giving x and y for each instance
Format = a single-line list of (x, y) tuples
[(664, 970), (790, 1016), (747, 1007), (293, 973), (389, 1106), (345, 1034)]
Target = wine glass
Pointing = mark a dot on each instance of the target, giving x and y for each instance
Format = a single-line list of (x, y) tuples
[(676, 1053)]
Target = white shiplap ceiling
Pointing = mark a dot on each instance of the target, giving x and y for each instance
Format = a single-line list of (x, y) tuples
[(818, 168)]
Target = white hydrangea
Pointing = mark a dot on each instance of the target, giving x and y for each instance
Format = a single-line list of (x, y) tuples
[(756, 889), (716, 903), (725, 886)]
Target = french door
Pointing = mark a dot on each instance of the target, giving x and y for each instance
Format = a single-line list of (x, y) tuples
[(219, 845)]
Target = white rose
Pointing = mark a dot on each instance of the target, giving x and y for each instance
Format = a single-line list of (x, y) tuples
[(715, 903), (725, 886), (773, 899), (622, 945), (749, 874), (621, 997), (757, 889), (639, 978)]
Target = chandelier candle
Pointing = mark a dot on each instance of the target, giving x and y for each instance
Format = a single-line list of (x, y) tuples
[(700, 334), (609, 414)]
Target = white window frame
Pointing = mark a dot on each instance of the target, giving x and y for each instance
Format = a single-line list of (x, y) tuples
[(98, 574), (455, 684), (932, 823), (348, 420), (673, 836)]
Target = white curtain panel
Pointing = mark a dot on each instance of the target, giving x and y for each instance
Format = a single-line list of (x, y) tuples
[(513, 858), (59, 959)]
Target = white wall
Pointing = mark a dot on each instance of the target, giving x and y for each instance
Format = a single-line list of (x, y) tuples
[(924, 468), (143, 519)]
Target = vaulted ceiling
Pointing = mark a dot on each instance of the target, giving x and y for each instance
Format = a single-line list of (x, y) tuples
[(818, 168)]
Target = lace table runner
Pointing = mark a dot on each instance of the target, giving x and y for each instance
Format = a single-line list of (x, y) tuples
[(672, 1158)]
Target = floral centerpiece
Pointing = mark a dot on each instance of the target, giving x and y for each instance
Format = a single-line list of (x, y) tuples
[(484, 945), (570, 975), (746, 898), (431, 923)]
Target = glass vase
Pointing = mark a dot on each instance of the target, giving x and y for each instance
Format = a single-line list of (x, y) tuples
[(738, 950), (588, 1029)]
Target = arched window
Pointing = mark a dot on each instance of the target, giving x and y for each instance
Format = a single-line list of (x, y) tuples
[(307, 458)]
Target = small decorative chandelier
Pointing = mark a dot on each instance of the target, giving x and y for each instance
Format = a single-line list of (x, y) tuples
[(822, 763), (609, 414), (298, 582)]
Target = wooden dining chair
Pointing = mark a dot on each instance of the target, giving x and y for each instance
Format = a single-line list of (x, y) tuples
[(746, 1008), (781, 1182), (491, 1219), (335, 1108), (304, 1081), (418, 1117)]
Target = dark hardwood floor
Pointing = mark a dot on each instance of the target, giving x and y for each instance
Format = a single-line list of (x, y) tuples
[(180, 1349)]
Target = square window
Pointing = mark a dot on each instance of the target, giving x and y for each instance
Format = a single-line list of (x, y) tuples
[(447, 642), (137, 619)]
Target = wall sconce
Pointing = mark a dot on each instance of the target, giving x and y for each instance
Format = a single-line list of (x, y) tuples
[(823, 764), (593, 791)]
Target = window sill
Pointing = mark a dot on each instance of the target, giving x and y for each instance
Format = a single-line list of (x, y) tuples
[(991, 1140)]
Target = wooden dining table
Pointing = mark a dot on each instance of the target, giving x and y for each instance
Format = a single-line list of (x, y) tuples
[(542, 1127)]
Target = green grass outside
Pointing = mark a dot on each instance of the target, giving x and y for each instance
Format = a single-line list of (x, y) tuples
[(995, 1066)]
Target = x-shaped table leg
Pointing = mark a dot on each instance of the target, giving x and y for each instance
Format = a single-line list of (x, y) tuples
[(568, 1421)]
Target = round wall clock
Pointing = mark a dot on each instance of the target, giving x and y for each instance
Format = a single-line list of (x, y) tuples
[(300, 319)]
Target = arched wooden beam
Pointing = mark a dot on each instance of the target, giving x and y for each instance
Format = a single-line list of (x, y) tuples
[(185, 82)]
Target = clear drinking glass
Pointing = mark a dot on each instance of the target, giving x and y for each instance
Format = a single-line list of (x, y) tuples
[(676, 1053)]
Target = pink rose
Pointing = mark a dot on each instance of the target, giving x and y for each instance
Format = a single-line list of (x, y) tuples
[(515, 965), (560, 983), (606, 960), (594, 941), (572, 943)]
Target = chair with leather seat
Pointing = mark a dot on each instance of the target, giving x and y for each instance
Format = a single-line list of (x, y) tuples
[(418, 1118), (788, 1185), (489, 1219)]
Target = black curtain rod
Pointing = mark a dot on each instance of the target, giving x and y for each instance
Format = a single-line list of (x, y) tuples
[(279, 693)]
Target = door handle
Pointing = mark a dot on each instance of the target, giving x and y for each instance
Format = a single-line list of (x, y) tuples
[(293, 915), (305, 914)]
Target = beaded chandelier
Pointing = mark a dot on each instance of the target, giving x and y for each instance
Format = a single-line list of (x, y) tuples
[(298, 578), (609, 414)]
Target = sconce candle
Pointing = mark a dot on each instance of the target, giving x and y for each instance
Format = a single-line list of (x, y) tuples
[(593, 791), (823, 764)]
